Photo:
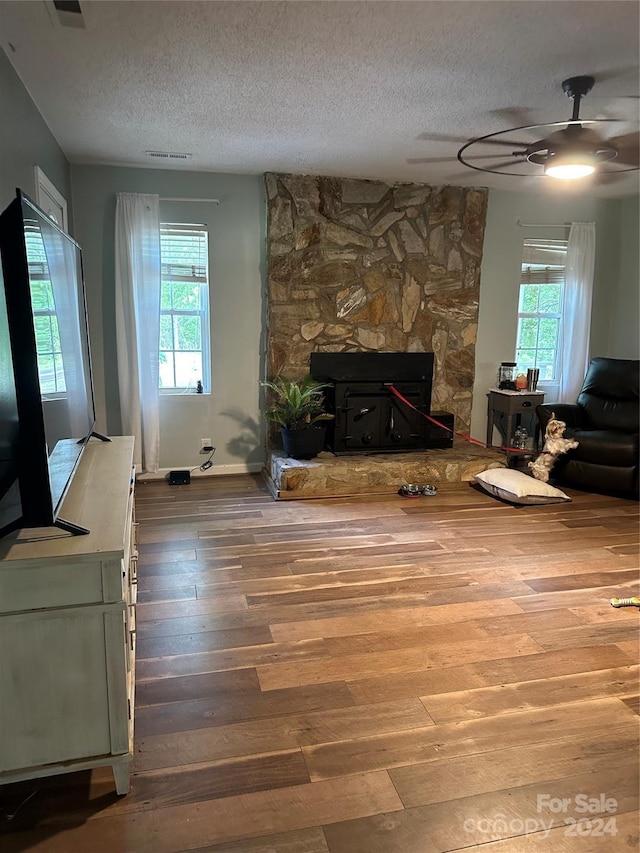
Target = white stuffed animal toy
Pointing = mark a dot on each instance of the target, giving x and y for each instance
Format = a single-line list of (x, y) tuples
[(554, 445)]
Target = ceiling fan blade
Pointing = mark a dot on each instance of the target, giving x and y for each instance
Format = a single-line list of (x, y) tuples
[(442, 137), (418, 160), (608, 177), (629, 72), (439, 137), (571, 135), (504, 163), (511, 143), (628, 147), (514, 116)]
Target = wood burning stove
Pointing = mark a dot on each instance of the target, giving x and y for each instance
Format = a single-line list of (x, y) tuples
[(368, 416)]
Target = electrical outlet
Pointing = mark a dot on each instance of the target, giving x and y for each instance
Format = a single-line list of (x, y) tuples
[(205, 445)]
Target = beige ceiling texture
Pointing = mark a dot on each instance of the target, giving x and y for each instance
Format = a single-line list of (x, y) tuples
[(357, 89)]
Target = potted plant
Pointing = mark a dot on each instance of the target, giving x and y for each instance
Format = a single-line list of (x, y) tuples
[(298, 407)]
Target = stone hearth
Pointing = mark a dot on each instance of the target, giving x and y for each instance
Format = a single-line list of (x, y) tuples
[(338, 476)]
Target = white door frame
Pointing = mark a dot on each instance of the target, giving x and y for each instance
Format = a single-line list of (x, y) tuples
[(51, 199)]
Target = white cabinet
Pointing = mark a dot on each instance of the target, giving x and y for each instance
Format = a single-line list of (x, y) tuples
[(67, 629)]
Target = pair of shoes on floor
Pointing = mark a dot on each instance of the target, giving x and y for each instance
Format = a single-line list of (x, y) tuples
[(411, 490)]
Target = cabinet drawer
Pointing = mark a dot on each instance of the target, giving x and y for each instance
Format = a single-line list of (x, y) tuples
[(515, 403), (36, 587), (524, 405), (57, 708)]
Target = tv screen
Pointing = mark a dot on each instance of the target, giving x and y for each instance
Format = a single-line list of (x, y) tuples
[(46, 396)]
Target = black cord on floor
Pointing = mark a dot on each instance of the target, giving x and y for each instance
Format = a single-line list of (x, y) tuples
[(8, 812), (205, 465)]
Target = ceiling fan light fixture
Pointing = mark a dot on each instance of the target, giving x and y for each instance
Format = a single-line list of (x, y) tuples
[(569, 171), (570, 150), (569, 167)]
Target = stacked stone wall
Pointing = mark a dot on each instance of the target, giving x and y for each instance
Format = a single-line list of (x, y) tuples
[(356, 265)]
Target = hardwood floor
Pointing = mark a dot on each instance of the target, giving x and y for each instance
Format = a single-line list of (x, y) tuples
[(368, 675)]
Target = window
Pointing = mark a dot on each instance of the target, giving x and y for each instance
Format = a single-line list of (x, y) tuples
[(184, 307), (540, 307), (45, 320)]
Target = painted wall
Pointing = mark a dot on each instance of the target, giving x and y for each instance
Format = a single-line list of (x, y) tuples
[(625, 317), (230, 414), (26, 142), (500, 272)]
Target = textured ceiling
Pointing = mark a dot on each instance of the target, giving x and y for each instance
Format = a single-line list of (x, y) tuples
[(354, 89)]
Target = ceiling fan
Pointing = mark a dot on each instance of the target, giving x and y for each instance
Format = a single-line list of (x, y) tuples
[(570, 149)]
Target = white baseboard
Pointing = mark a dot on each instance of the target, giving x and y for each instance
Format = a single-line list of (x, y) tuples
[(214, 471)]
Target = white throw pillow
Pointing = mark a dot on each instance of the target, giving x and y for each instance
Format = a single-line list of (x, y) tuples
[(518, 488)]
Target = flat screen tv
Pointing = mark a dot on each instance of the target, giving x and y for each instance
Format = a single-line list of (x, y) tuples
[(47, 408)]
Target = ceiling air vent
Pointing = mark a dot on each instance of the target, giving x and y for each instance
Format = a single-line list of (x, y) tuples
[(69, 13), (168, 155)]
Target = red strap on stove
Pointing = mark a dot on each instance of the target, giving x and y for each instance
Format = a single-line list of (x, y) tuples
[(463, 435)]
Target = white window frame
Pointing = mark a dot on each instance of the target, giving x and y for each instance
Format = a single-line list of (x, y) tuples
[(202, 312), (534, 252)]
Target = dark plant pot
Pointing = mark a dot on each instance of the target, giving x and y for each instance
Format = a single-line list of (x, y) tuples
[(304, 443)]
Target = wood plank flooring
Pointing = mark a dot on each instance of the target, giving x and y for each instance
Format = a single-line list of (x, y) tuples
[(368, 675)]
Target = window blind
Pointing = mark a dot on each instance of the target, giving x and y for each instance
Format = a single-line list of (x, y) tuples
[(542, 275), (543, 262), (184, 253)]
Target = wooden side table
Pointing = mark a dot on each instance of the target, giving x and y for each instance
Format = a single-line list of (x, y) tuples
[(511, 403)]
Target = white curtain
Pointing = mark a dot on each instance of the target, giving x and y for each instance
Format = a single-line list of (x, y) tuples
[(138, 322), (63, 261), (581, 251)]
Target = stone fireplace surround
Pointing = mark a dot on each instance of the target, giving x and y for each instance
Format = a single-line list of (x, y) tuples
[(369, 266)]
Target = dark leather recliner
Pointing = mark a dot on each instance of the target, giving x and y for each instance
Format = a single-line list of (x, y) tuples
[(605, 422)]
